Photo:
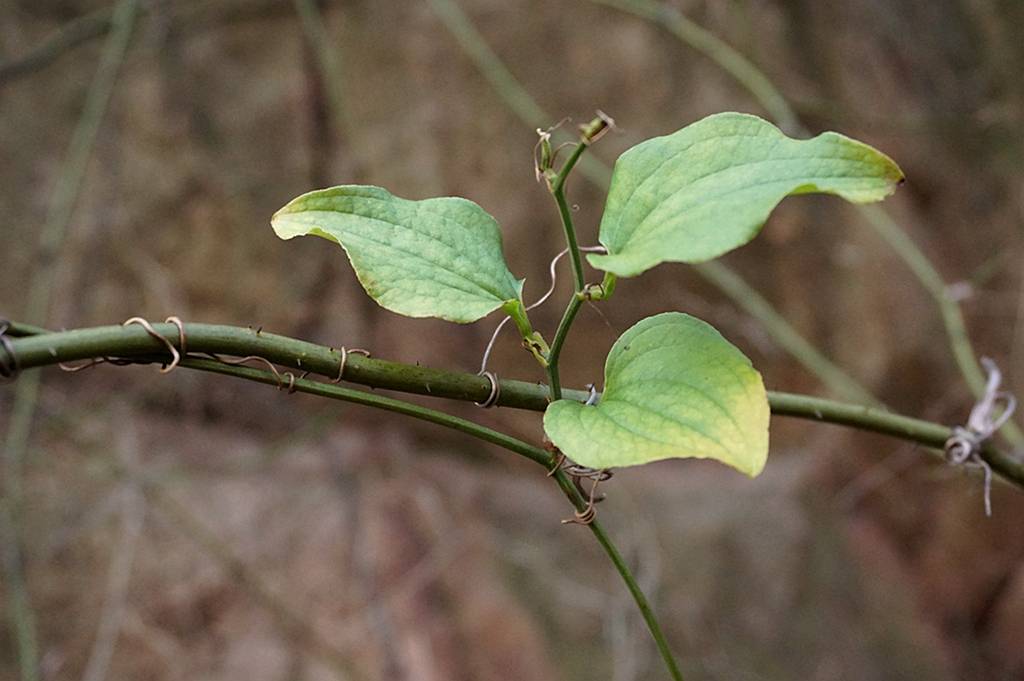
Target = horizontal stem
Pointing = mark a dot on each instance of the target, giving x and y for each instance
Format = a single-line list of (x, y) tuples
[(952, 316), (133, 342)]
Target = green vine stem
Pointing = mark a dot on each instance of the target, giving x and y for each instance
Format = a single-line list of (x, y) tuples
[(565, 212), (561, 333), (31, 351), (527, 110), (572, 492), (579, 282), (769, 96)]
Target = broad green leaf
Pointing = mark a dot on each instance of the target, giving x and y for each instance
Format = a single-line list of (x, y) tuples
[(674, 388), (708, 188), (434, 258)]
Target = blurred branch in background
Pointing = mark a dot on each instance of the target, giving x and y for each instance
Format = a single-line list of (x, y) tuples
[(508, 87), (725, 279), (333, 134), (67, 37), (95, 24), (40, 291), (328, 61), (770, 97), (729, 282), (720, 52), (268, 55)]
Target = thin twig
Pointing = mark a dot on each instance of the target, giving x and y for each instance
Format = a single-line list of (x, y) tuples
[(535, 454), (730, 60), (753, 303), (952, 317), (194, 16), (579, 282), (552, 269), (67, 37)]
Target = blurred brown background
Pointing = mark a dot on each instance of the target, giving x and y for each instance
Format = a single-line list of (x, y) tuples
[(280, 537)]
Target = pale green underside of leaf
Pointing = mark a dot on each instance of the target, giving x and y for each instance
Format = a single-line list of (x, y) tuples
[(674, 388), (435, 258), (708, 188)]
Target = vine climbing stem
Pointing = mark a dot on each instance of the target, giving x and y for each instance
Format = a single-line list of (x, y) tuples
[(33, 349), (565, 213), (557, 187), (554, 380), (643, 605)]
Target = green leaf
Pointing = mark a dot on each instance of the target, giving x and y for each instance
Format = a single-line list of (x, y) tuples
[(674, 388), (434, 258), (708, 188)]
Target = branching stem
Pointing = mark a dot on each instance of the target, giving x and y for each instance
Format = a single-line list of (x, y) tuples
[(565, 211), (38, 350), (555, 382), (557, 186)]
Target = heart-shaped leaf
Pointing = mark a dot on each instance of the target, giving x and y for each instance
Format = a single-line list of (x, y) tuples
[(708, 188), (434, 258), (674, 388)]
